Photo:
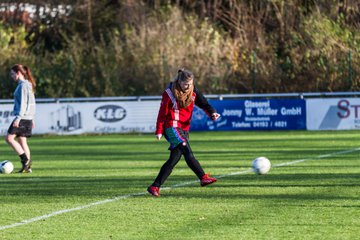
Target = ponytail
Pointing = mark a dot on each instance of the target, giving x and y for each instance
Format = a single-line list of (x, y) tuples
[(30, 78)]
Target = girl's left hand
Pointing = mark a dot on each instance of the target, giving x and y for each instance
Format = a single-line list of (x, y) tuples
[(215, 116), (16, 123), (33, 124)]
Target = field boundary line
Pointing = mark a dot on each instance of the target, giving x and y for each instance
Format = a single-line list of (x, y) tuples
[(109, 200)]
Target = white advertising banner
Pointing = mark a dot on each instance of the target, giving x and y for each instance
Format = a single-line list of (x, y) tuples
[(333, 114), (140, 116), (89, 117)]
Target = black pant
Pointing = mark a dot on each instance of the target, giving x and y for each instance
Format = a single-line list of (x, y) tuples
[(174, 158)]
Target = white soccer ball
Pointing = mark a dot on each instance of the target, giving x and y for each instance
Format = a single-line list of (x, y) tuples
[(261, 165), (6, 167)]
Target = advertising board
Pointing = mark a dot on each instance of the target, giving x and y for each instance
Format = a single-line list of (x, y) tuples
[(256, 114)]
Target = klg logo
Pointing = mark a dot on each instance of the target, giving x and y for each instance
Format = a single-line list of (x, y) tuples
[(110, 113)]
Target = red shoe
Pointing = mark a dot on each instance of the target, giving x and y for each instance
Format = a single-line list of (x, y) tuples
[(206, 180), (155, 191)]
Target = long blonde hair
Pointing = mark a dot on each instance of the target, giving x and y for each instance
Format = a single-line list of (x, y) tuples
[(26, 72), (184, 98)]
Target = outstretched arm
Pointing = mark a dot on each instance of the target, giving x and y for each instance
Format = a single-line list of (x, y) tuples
[(202, 103)]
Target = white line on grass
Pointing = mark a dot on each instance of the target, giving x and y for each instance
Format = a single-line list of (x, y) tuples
[(39, 218)]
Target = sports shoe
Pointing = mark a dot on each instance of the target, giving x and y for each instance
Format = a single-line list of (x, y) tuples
[(26, 167), (155, 191), (206, 180)]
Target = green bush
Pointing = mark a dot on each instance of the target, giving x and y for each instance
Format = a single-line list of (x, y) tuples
[(316, 53)]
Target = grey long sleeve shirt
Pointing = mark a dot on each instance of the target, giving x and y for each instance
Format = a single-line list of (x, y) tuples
[(24, 101)]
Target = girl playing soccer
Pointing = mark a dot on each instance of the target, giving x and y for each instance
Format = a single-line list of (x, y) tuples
[(24, 111), (173, 122)]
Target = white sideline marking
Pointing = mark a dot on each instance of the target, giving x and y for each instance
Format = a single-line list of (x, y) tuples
[(39, 218)]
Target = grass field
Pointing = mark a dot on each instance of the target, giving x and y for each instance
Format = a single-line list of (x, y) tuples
[(94, 187)]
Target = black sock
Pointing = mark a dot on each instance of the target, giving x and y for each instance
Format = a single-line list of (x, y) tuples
[(23, 158)]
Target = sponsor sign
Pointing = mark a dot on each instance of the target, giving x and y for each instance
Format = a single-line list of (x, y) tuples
[(135, 116), (333, 114), (89, 117), (256, 114)]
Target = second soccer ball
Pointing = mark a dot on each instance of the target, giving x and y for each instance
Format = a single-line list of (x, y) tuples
[(261, 165)]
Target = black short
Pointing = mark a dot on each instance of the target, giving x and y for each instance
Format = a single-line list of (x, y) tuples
[(24, 129)]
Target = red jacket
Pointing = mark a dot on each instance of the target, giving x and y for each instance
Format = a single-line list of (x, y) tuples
[(172, 115)]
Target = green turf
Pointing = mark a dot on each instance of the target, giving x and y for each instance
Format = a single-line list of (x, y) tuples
[(314, 199)]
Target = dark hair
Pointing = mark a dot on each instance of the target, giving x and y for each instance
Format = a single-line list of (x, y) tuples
[(26, 72), (184, 75)]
